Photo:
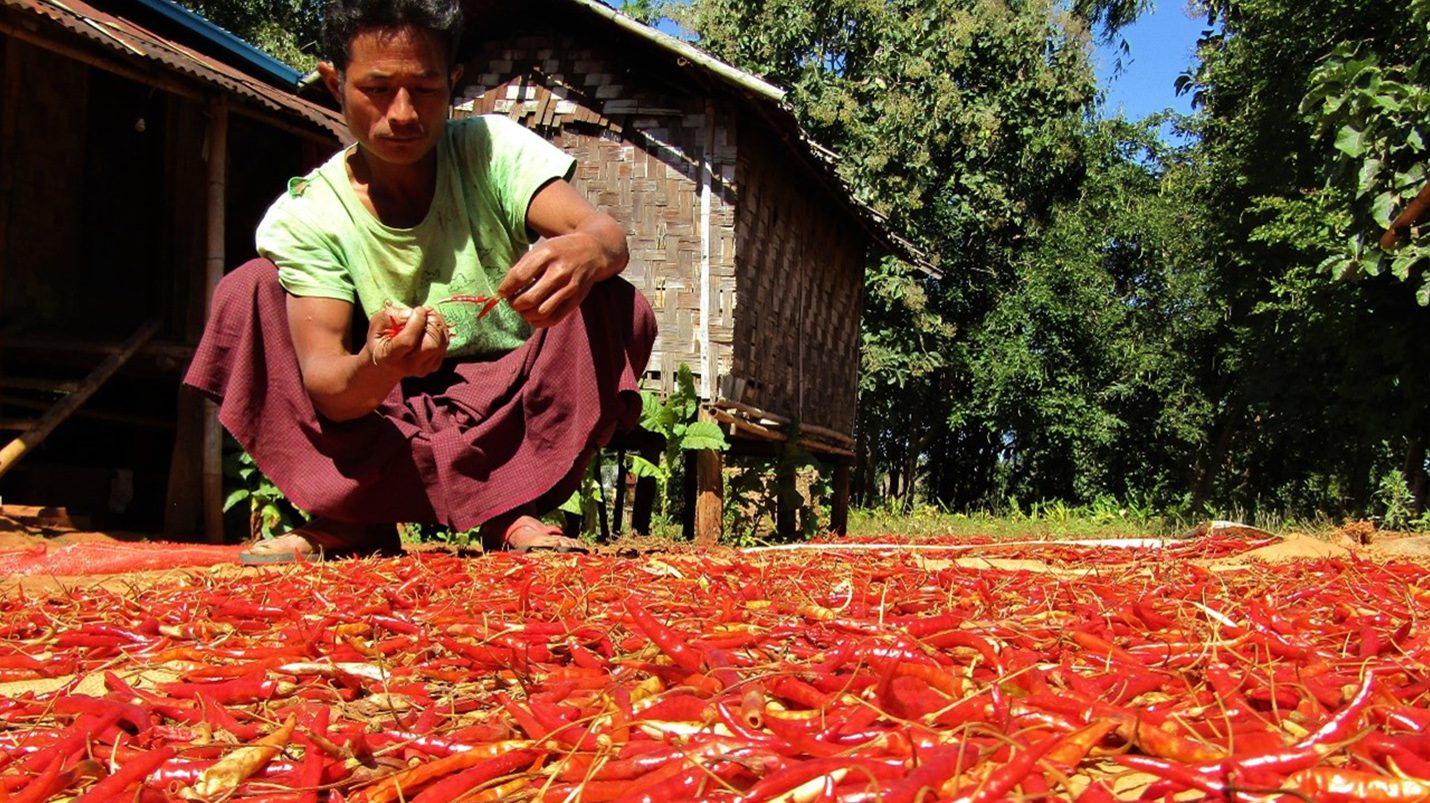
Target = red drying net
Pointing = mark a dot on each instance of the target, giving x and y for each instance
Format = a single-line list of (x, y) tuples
[(113, 558)]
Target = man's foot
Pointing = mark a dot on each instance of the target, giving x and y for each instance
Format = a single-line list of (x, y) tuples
[(529, 534), (323, 539)]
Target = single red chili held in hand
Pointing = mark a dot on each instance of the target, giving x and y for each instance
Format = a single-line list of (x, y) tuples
[(489, 303)]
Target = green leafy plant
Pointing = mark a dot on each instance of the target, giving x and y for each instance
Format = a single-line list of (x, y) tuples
[(586, 500), (269, 512), (674, 418), (1374, 115)]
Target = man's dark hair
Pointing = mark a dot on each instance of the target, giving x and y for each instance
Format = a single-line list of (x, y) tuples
[(343, 19)]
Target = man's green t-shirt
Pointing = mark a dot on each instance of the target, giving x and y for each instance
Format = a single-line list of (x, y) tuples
[(327, 244)]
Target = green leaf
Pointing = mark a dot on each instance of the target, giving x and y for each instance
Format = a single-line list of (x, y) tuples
[(704, 435), (1383, 208), (1422, 296), (1369, 176), (1349, 142), (238, 495), (644, 468), (1401, 265), (650, 411), (1371, 262), (572, 505), (1338, 265)]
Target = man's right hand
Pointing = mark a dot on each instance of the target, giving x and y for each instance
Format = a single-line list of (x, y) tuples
[(344, 385), (407, 342)]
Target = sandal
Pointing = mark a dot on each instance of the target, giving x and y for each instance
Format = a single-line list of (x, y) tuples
[(541, 530)]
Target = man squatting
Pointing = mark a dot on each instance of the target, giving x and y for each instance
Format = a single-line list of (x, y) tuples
[(450, 420)]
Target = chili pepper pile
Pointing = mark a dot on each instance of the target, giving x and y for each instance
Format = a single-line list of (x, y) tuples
[(828, 675)]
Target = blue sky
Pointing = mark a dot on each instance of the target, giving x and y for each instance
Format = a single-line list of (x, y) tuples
[(1162, 46)]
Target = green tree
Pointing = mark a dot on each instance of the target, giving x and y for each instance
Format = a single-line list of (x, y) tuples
[(1316, 381), (1088, 368), (963, 121), (285, 29)]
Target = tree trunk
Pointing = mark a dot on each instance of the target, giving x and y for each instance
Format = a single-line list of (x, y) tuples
[(1415, 474), (1209, 461)]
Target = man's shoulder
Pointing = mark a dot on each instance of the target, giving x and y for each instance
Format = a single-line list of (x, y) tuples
[(305, 207), (310, 193)]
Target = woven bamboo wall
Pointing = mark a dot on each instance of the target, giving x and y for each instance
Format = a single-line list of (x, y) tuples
[(640, 151), (800, 270), (642, 136)]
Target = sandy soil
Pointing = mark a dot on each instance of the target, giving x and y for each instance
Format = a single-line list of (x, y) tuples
[(24, 527)]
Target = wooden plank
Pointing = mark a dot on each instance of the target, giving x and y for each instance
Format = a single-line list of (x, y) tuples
[(158, 78), (85, 412), (709, 496), (53, 385), (217, 196), (164, 351), (9, 118), (839, 507), (643, 505), (45, 424), (161, 78), (785, 523)]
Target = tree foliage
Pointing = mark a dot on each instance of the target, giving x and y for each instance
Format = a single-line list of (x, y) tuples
[(285, 29), (1307, 124), (1205, 328)]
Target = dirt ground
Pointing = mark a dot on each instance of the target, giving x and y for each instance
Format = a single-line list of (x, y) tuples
[(29, 528)]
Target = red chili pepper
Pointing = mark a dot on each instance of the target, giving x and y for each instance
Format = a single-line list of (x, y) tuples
[(133, 771), (137, 718), (452, 787), (217, 715), (668, 640), (1333, 785), (42, 787), (1338, 727), (1182, 774), (242, 690)]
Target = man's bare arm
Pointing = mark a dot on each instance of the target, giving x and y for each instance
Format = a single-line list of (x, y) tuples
[(583, 247), (344, 385)]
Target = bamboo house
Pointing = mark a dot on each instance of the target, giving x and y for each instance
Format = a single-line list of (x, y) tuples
[(747, 244)]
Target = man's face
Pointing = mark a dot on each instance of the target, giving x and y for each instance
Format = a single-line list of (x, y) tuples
[(395, 92)]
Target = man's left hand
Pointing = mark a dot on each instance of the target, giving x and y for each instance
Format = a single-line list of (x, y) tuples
[(553, 278), (582, 247)]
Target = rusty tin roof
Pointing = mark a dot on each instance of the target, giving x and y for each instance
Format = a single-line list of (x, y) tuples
[(135, 42)]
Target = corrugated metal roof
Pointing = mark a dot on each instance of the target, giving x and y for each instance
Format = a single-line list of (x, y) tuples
[(136, 42), (217, 38)]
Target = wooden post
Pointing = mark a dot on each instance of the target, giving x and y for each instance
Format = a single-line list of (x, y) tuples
[(785, 523), (709, 494), (213, 272), (618, 509), (688, 493), (9, 119), (644, 501), (839, 506)]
